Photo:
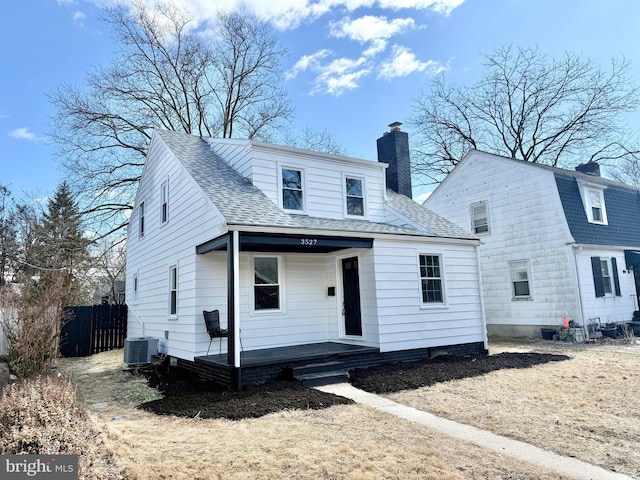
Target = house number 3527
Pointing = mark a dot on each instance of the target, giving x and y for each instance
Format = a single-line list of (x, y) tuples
[(308, 241)]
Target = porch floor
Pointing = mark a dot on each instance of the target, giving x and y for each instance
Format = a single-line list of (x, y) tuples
[(292, 354)]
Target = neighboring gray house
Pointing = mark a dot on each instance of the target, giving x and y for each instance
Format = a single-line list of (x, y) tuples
[(299, 251), (555, 242)]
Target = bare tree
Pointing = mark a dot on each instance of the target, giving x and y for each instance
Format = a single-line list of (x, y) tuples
[(170, 73), (109, 263), (530, 107), (316, 140)]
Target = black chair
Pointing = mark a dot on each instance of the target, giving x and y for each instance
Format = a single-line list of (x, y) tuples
[(212, 321)]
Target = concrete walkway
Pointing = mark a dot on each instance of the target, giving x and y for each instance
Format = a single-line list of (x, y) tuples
[(567, 466)]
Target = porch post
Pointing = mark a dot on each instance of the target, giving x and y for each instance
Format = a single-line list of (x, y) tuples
[(233, 312)]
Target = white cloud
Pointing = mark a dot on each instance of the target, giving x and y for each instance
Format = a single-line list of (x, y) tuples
[(369, 28), (340, 76), (404, 62), (25, 134), (65, 2), (307, 62), (78, 16), (333, 78), (441, 6), (290, 14)]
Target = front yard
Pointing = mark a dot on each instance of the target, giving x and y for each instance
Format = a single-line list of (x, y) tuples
[(585, 406)]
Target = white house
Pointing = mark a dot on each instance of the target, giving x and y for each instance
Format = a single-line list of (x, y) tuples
[(555, 242), (303, 254)]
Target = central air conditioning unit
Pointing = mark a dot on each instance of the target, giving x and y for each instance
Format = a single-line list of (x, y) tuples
[(138, 350)]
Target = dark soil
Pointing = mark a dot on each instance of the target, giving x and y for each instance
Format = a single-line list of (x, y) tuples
[(186, 396), (393, 378)]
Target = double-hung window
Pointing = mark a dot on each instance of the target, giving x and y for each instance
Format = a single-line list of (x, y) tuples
[(266, 283), (173, 290), (480, 218), (164, 202), (292, 191), (431, 279), (605, 276), (354, 191), (520, 279)]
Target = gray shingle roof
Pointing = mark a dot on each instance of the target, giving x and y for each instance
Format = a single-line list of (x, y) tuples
[(622, 204), (241, 203)]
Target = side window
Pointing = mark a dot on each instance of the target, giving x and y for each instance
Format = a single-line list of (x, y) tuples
[(141, 220), (266, 283), (431, 279), (520, 287), (164, 202), (354, 191), (480, 218), (605, 276), (135, 288), (292, 192), (173, 291), (594, 205)]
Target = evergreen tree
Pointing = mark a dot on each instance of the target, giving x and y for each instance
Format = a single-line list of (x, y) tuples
[(8, 241), (62, 247)]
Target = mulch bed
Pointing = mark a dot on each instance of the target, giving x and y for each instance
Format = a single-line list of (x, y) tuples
[(397, 377), (186, 396)]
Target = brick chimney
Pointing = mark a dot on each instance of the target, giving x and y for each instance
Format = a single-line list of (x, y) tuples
[(589, 168), (393, 148)]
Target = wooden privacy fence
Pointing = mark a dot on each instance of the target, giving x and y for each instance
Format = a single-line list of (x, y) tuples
[(95, 329)]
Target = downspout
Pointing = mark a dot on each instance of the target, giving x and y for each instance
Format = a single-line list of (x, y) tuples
[(576, 251), (138, 317), (481, 291)]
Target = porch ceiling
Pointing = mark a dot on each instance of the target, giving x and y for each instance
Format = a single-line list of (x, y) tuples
[(288, 243)]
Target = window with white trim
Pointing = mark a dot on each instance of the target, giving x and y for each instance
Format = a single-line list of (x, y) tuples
[(520, 287), (431, 281), (479, 218), (606, 281), (164, 202), (354, 193), (292, 191), (173, 290), (266, 283)]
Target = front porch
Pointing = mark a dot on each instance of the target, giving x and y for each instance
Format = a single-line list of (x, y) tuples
[(258, 366)]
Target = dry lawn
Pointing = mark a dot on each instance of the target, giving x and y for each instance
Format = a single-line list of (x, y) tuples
[(350, 441), (587, 407)]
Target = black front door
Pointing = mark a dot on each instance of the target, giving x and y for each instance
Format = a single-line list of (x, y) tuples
[(351, 289)]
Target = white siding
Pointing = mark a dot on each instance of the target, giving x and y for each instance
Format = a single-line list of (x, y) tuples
[(324, 189), (405, 322), (609, 308), (309, 314), (526, 222), (192, 220)]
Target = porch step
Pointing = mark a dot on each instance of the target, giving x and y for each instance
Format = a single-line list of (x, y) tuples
[(316, 368), (323, 378), (321, 373)]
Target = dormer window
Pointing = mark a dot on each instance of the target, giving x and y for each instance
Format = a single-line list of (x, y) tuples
[(596, 205), (596, 212), (593, 201), (354, 191), (292, 192)]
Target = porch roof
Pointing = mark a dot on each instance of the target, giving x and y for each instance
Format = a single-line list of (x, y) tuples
[(299, 243)]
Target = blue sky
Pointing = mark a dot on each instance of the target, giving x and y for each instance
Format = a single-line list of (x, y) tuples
[(355, 65)]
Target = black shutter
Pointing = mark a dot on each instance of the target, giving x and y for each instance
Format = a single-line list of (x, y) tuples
[(616, 280), (597, 276)]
